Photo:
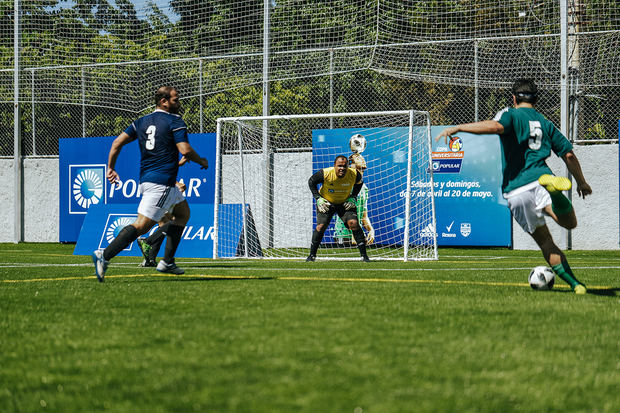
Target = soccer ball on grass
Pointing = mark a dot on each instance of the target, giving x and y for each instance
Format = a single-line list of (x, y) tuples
[(541, 278)]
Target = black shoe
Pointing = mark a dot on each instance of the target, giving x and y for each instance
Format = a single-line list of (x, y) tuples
[(365, 258), (311, 258), (148, 263), (145, 248)]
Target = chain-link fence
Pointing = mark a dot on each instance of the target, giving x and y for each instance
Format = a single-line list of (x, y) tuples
[(90, 72), (597, 112)]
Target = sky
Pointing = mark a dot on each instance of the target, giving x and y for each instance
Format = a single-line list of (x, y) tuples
[(163, 5)]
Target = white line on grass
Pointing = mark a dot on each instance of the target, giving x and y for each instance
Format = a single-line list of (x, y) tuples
[(309, 268), (299, 278), (284, 278)]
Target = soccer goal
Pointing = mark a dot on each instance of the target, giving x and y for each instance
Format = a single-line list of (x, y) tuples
[(263, 206)]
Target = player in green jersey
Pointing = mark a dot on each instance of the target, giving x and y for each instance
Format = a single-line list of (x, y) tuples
[(341, 232), (529, 186)]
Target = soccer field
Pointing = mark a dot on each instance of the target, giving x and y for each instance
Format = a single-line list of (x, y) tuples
[(462, 334)]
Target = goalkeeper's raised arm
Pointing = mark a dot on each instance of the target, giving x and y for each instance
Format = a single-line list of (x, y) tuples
[(339, 188)]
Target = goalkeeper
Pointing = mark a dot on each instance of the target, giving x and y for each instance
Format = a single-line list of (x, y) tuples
[(340, 186)]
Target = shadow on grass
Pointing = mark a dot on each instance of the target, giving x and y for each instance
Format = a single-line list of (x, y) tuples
[(198, 265), (606, 292), (241, 278)]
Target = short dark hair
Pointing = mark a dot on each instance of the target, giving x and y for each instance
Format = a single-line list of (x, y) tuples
[(525, 90), (164, 92), (343, 157)]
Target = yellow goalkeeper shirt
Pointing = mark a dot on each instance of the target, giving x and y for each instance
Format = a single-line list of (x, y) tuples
[(337, 190)]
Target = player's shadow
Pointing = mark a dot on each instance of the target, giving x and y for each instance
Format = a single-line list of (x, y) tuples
[(215, 278), (219, 265), (606, 292)]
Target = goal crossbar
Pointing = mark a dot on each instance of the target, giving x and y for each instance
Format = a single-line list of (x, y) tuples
[(319, 115)]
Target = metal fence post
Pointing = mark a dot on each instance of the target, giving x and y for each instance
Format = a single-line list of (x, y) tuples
[(83, 102), (34, 122), (200, 96), (331, 87), (18, 180), (476, 92)]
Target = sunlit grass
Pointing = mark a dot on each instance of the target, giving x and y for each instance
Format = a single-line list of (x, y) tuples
[(465, 333)]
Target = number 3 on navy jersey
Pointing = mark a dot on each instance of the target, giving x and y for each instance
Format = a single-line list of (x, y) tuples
[(150, 137), (536, 135)]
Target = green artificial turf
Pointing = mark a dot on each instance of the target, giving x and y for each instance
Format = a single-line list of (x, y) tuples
[(462, 334)]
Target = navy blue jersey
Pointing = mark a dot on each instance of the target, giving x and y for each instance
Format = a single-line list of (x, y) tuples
[(158, 134)]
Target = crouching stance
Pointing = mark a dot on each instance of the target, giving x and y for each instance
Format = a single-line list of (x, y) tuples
[(340, 186)]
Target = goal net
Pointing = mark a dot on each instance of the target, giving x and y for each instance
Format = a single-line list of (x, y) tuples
[(264, 206)]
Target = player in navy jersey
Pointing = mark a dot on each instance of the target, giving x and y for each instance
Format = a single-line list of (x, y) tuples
[(161, 136), (529, 186)]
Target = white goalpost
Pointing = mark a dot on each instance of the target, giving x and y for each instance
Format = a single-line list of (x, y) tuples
[(263, 206)]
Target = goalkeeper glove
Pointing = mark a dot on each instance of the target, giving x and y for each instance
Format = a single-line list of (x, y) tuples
[(370, 237), (322, 205), (349, 204)]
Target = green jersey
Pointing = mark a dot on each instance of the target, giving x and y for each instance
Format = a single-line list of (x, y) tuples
[(340, 230), (527, 142)]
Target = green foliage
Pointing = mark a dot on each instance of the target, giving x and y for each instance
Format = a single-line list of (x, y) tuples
[(87, 32), (105, 125)]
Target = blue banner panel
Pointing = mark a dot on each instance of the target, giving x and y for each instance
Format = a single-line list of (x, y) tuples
[(103, 222), (83, 183), (467, 174), (471, 210)]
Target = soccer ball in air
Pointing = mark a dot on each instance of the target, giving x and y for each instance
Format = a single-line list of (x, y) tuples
[(541, 278), (357, 143)]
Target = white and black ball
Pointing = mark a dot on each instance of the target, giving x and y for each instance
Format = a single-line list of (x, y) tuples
[(357, 143), (541, 278)]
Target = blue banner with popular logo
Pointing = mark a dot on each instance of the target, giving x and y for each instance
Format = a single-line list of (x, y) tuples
[(83, 183), (104, 221), (469, 206)]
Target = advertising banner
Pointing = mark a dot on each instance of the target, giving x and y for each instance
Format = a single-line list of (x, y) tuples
[(104, 221), (83, 183), (467, 174)]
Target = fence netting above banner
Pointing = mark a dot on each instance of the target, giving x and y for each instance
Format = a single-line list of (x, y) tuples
[(89, 67)]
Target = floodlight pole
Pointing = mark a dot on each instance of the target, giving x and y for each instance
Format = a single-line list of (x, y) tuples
[(18, 203)]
